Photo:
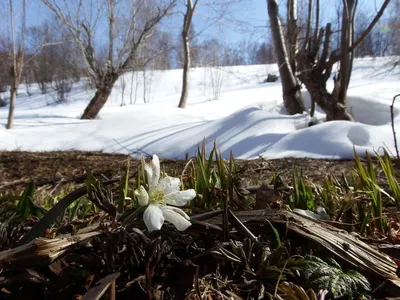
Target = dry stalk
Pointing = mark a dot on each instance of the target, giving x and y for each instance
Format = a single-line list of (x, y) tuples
[(394, 132), (42, 250)]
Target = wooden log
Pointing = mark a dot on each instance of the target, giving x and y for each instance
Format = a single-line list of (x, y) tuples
[(346, 246)]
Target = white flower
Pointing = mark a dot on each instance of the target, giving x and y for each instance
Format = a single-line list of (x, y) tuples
[(161, 193)]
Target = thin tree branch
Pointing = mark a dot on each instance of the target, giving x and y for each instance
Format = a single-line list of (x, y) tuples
[(363, 36)]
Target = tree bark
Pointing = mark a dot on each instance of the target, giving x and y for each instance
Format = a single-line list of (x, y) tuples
[(100, 98), (187, 21), (315, 62), (314, 76), (347, 40), (185, 76), (292, 98), (292, 33), (18, 52), (13, 96), (329, 103)]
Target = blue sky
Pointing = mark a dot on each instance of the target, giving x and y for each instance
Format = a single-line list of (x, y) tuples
[(251, 12), (252, 16)]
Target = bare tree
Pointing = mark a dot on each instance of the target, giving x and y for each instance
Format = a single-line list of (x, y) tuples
[(17, 55), (122, 82), (316, 59), (56, 62), (394, 25), (123, 43), (6, 64), (367, 46), (187, 22), (42, 65), (264, 54), (292, 98), (238, 54), (292, 33), (162, 46), (220, 9)]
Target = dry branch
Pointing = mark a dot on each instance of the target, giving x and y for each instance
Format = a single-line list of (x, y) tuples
[(101, 287), (41, 250), (392, 121)]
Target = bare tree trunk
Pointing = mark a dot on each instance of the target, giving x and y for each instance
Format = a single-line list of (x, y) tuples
[(123, 86), (101, 96), (315, 71), (190, 7), (13, 96), (18, 52), (292, 33), (347, 40), (328, 102), (292, 98), (185, 77)]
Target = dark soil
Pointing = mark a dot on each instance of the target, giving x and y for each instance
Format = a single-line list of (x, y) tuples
[(158, 265), (18, 168)]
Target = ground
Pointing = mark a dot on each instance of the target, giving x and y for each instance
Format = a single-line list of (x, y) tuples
[(18, 168)]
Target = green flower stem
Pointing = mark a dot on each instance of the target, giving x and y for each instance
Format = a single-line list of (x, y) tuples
[(134, 214)]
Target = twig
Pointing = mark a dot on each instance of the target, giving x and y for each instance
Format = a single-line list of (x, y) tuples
[(196, 283), (240, 227), (101, 287), (394, 132), (207, 215)]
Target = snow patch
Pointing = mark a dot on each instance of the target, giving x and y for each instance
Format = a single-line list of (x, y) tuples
[(368, 110), (359, 136), (249, 118)]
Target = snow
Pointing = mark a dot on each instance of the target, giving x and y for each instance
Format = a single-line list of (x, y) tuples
[(248, 118)]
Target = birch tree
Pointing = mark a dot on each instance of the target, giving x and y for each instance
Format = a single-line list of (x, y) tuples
[(17, 56), (187, 22), (219, 8), (125, 35)]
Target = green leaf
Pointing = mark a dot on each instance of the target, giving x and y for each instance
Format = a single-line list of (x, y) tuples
[(328, 274), (276, 233), (25, 205), (51, 216), (210, 159), (74, 210)]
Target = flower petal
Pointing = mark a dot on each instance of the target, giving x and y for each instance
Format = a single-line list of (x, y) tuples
[(176, 216), (155, 165), (142, 195), (180, 198), (168, 185), (149, 173), (153, 218)]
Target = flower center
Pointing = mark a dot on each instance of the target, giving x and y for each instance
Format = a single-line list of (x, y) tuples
[(157, 196)]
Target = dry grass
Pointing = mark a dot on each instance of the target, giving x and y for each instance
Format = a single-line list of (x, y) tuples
[(49, 167)]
